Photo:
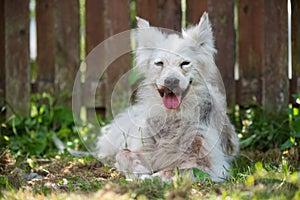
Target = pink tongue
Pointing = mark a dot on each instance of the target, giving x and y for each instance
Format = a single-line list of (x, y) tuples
[(171, 101)]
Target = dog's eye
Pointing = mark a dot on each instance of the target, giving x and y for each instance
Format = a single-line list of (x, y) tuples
[(159, 63), (184, 63)]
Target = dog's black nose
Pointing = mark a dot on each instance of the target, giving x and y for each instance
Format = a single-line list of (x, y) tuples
[(171, 83)]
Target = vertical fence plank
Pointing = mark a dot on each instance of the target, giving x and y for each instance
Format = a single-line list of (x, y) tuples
[(94, 22), (222, 19), (45, 46), (95, 34), (262, 62), (295, 83), (250, 61), (161, 13), (17, 68), (116, 22), (67, 47), (275, 80), (2, 55), (194, 10)]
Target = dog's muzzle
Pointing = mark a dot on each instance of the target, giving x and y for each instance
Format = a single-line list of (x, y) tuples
[(171, 93)]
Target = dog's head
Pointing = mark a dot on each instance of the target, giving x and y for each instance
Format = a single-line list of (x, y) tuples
[(174, 63)]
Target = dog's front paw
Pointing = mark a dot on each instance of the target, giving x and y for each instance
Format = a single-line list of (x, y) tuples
[(165, 174), (146, 176), (130, 165)]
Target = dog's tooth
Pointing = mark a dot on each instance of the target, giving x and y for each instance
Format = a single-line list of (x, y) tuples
[(161, 93)]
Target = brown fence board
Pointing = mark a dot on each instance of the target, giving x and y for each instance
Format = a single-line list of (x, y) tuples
[(262, 62), (2, 54), (95, 34), (295, 83), (45, 61), (250, 51), (67, 47), (194, 10), (94, 22), (275, 80), (161, 13), (116, 22), (17, 73), (222, 19)]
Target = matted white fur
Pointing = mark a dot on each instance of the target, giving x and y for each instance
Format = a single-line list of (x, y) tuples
[(179, 120)]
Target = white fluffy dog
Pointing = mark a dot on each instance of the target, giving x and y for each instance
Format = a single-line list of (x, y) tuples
[(179, 120)]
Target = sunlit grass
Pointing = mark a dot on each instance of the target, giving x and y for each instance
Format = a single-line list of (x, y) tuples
[(263, 169)]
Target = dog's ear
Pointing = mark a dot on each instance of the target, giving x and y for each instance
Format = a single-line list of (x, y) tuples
[(147, 36), (201, 33), (142, 23)]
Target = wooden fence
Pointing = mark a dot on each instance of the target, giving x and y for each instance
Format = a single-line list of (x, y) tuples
[(257, 44)]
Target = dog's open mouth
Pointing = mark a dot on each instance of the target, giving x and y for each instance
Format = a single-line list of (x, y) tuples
[(172, 98)]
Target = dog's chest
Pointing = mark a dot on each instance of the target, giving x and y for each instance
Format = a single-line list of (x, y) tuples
[(160, 127), (168, 128)]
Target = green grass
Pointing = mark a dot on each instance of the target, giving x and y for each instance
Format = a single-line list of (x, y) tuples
[(66, 176), (87, 178), (266, 168)]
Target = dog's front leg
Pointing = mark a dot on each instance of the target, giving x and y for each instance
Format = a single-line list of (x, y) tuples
[(132, 163)]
